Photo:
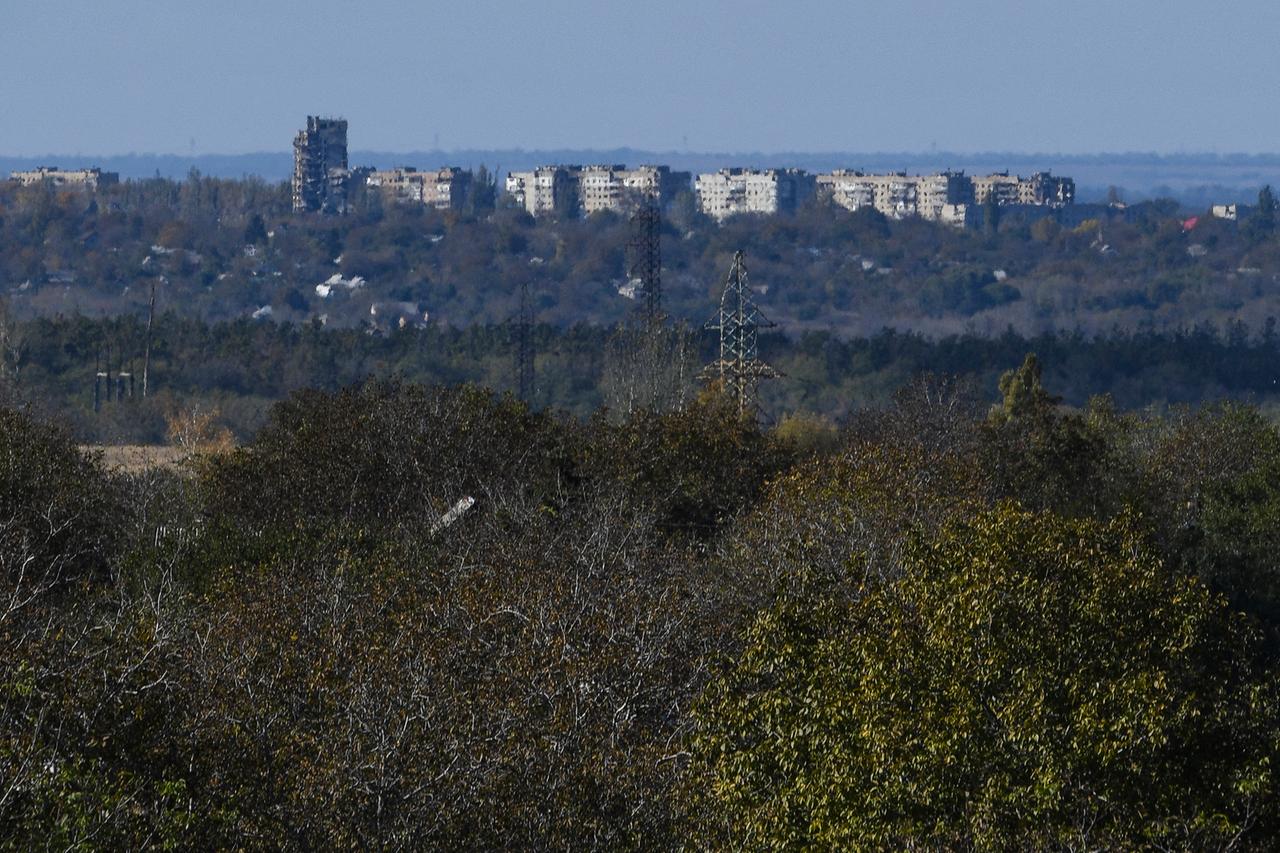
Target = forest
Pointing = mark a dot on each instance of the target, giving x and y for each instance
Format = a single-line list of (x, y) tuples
[(409, 616), (234, 372)]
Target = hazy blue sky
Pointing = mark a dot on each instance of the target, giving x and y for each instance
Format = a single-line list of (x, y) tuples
[(110, 76)]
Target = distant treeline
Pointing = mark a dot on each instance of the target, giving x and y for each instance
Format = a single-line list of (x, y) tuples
[(240, 368)]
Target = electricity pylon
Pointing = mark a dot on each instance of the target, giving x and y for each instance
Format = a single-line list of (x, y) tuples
[(739, 368)]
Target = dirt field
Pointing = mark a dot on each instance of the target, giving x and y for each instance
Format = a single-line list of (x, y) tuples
[(134, 458)]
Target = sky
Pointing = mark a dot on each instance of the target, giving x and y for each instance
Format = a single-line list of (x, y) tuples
[(233, 76)]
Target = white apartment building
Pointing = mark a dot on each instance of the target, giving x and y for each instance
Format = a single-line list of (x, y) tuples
[(89, 179), (619, 189), (897, 195), (594, 188), (942, 196), (733, 191)]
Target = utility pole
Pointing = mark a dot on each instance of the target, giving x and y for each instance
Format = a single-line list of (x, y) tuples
[(522, 333), (738, 368), (146, 358)]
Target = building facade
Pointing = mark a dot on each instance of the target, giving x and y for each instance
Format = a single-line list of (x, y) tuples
[(89, 179), (1041, 188), (620, 189), (729, 192), (895, 194), (594, 188), (443, 189), (320, 166), (546, 189), (942, 196)]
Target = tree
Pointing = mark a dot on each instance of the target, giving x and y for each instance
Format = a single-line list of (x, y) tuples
[(1045, 457), (58, 513), (1029, 683), (648, 365), (483, 195), (1024, 396), (255, 233), (1263, 222), (991, 214)]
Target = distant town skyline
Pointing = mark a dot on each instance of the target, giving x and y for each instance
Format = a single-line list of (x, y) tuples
[(709, 75)]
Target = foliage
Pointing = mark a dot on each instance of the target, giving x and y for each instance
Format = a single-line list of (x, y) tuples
[(1030, 682), (57, 512), (932, 626)]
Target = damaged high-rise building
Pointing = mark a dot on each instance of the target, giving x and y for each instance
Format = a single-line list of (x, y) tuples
[(320, 166)]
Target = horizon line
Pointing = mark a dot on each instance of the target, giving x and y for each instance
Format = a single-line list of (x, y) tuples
[(915, 153)]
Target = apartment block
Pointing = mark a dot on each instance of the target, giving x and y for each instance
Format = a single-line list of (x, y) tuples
[(618, 188), (1044, 188), (320, 173), (589, 189), (89, 179), (546, 189), (943, 196), (732, 191), (439, 188), (1041, 188), (896, 194), (940, 195)]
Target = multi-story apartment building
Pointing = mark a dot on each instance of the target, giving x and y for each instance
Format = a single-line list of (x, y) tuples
[(897, 195), (1041, 188), (1044, 188), (320, 166), (849, 189), (588, 189), (942, 196), (546, 189), (618, 188), (89, 179), (732, 191), (999, 188), (440, 188)]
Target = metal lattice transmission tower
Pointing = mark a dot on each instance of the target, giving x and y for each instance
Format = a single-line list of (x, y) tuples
[(739, 368), (645, 257), (522, 332)]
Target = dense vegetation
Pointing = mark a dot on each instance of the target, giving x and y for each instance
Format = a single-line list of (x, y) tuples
[(239, 369), (221, 250), (946, 625)]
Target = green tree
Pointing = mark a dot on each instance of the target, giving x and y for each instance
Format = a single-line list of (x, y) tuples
[(1023, 395), (1029, 683)]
